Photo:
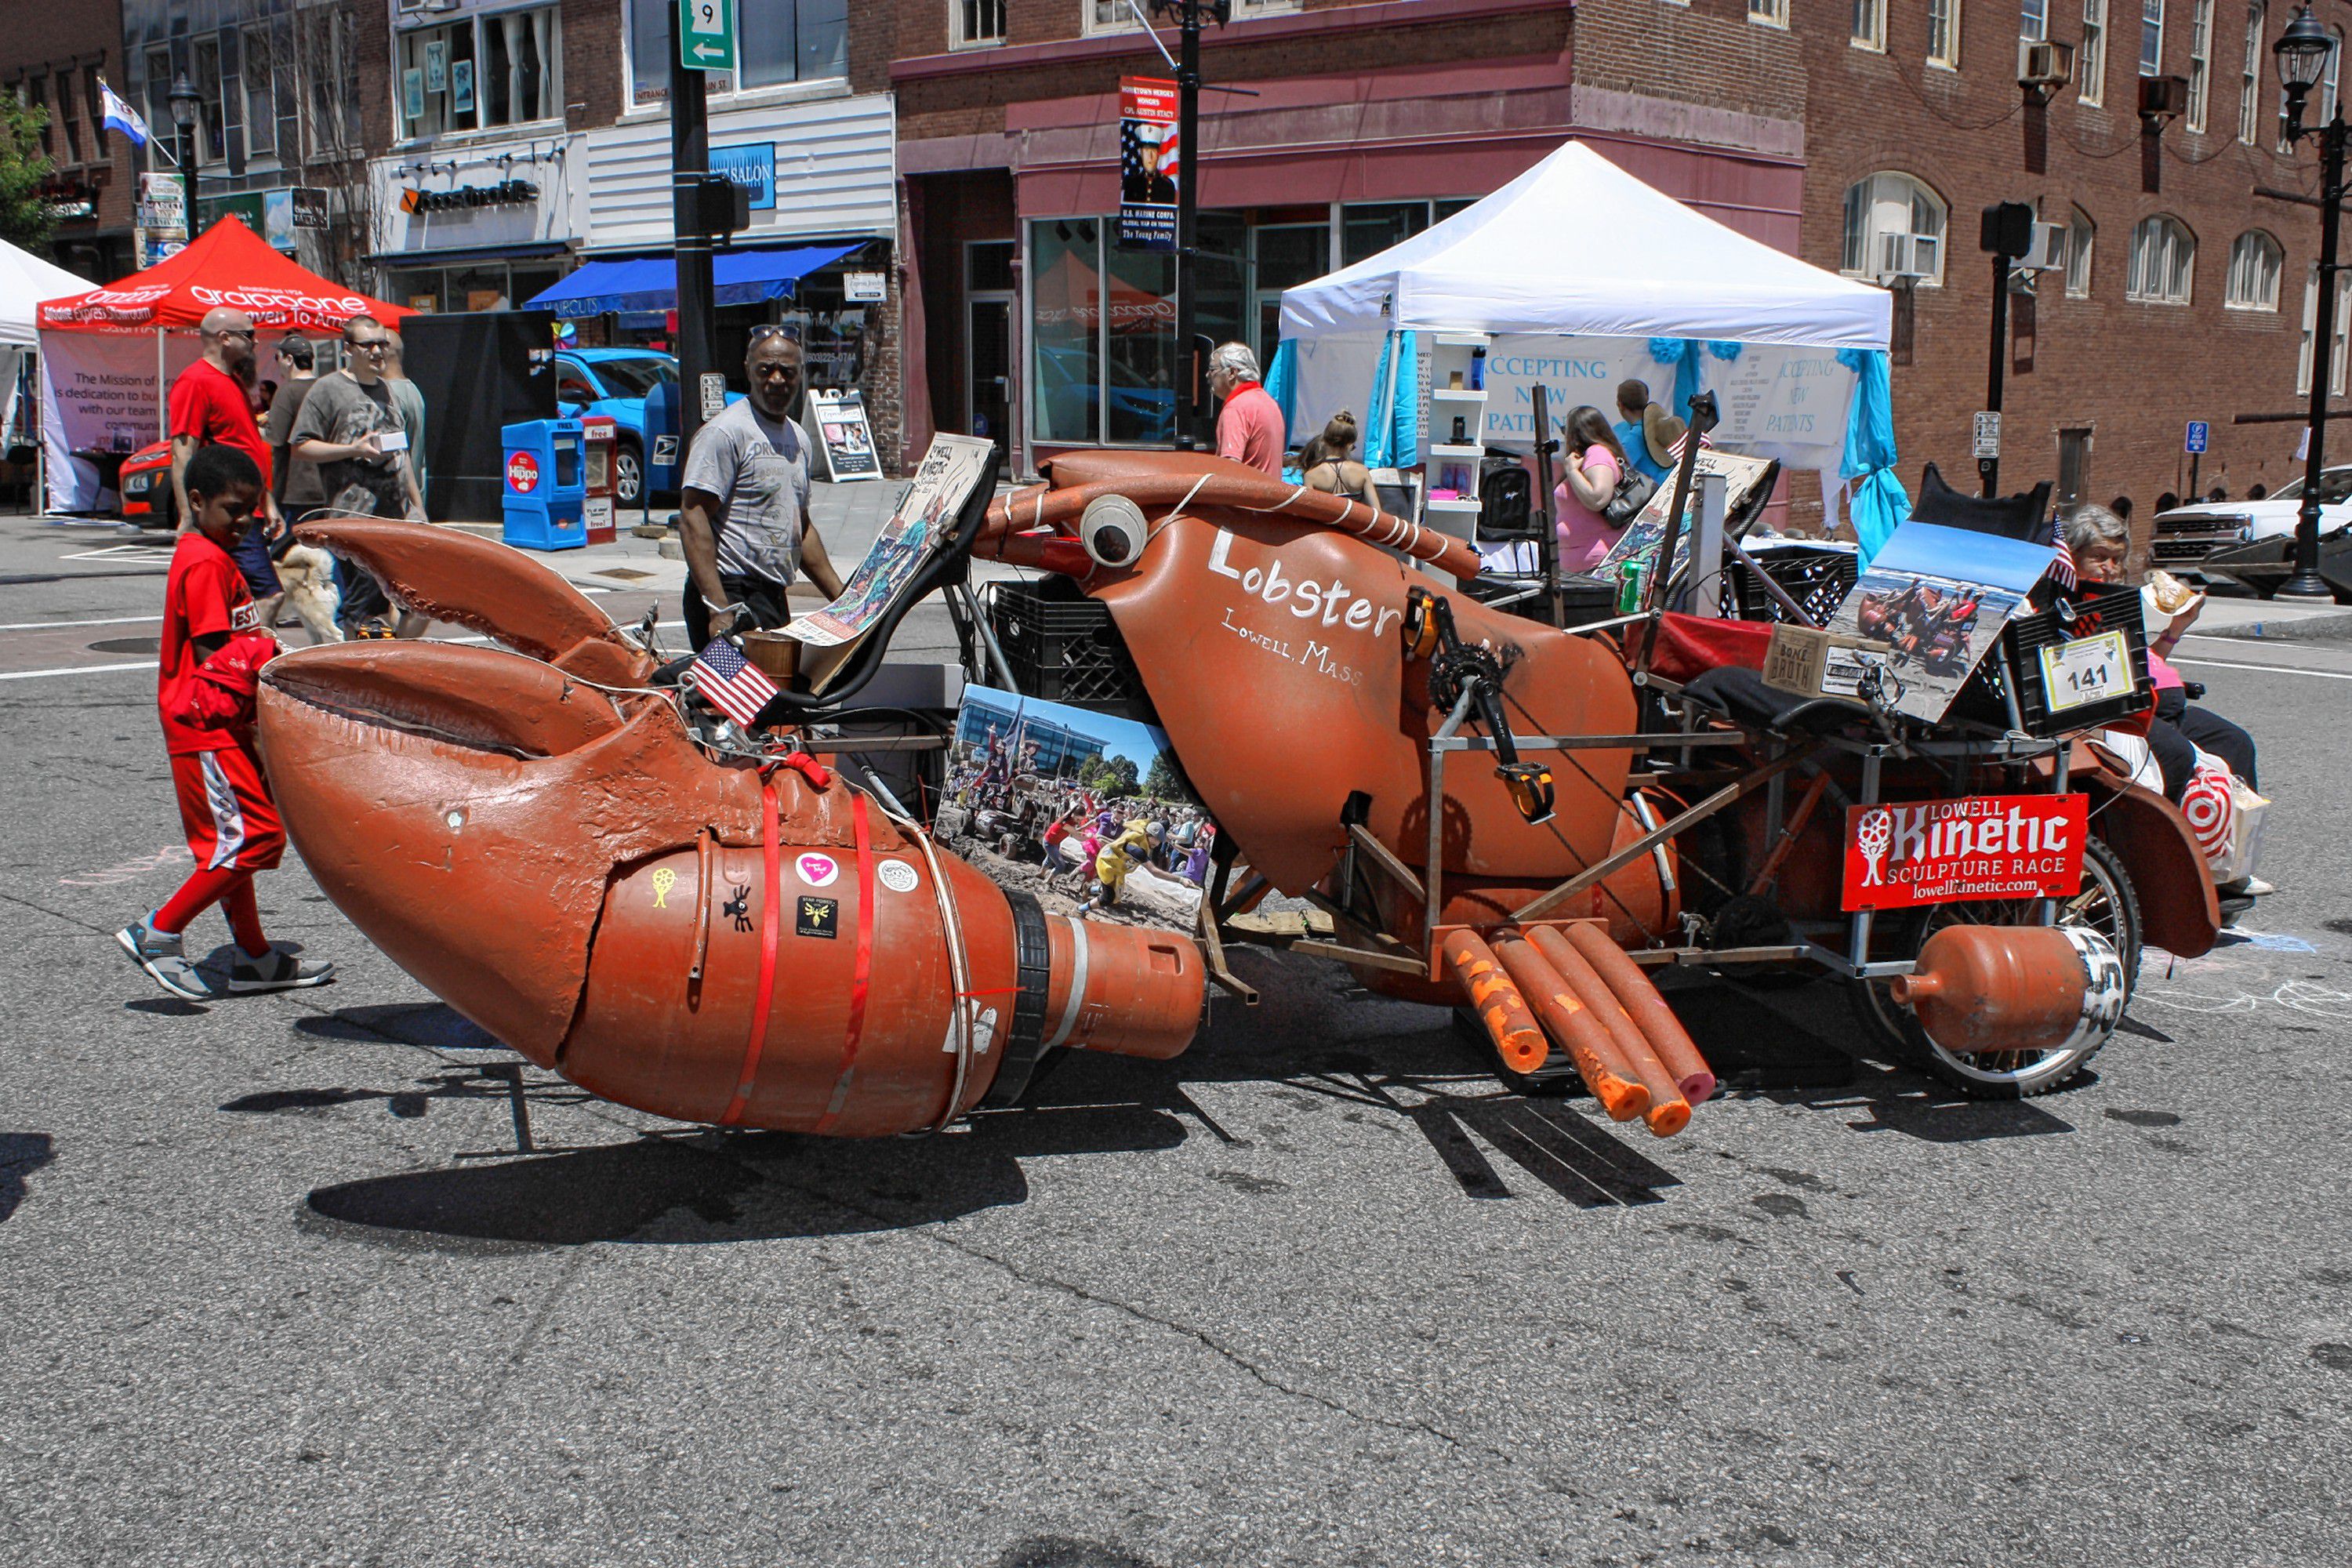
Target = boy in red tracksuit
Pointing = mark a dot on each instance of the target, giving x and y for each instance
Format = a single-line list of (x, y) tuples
[(213, 651)]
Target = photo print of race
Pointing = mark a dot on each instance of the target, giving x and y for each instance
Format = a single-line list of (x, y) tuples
[(1089, 812), (1934, 600)]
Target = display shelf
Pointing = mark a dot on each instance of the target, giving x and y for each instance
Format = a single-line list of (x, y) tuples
[(1445, 449), (1461, 339), (1470, 504), (1457, 395)]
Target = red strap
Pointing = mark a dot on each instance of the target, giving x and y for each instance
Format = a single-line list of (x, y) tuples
[(773, 867), (862, 966)]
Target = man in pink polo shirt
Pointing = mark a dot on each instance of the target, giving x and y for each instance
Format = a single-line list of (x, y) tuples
[(1250, 427)]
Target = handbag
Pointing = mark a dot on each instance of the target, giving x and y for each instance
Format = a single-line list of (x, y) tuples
[(1633, 491)]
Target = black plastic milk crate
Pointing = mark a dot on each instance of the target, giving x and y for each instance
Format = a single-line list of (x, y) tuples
[(1064, 647), (1818, 580), (2083, 612)]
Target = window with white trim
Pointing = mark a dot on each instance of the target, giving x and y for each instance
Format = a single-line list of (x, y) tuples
[(2151, 38), (1867, 27), (2250, 78), (2163, 262), (2091, 59), (2033, 20), (778, 41), (974, 24), (2336, 347), (505, 68), (2256, 261), (1770, 13), (259, 53), (1894, 227), (1109, 16), (1944, 32), (2081, 234), (2201, 60)]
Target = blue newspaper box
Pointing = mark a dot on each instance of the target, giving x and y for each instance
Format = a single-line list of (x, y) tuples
[(546, 490)]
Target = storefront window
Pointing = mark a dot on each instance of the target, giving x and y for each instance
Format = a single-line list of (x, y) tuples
[(1139, 393), (1064, 262), (1371, 228), (1287, 256), (780, 41)]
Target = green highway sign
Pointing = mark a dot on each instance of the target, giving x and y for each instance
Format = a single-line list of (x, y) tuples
[(706, 35)]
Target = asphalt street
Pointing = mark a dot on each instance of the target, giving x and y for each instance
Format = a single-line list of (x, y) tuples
[(330, 1278)]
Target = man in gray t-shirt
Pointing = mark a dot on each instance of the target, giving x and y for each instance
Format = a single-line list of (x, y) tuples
[(743, 503)]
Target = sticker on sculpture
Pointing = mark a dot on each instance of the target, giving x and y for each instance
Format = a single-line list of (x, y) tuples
[(896, 876), (817, 870)]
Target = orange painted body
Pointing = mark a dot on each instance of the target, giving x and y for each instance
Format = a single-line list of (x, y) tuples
[(1995, 988), (1497, 1003)]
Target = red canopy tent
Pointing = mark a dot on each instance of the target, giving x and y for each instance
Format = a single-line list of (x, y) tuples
[(108, 355), (229, 265)]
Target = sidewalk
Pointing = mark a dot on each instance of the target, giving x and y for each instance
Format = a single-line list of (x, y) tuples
[(2266, 620)]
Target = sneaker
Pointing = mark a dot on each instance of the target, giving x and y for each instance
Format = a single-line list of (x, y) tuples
[(281, 971), (2256, 888), (158, 953)]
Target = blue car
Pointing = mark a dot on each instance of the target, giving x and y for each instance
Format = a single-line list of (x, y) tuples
[(614, 382)]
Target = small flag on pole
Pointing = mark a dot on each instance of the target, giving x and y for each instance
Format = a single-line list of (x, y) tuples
[(2061, 565), (731, 683), (118, 115)]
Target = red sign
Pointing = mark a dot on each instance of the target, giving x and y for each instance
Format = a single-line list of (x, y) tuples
[(1150, 164), (1951, 851), (522, 473)]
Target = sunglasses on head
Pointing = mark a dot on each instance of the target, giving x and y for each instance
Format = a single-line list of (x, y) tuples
[(761, 334)]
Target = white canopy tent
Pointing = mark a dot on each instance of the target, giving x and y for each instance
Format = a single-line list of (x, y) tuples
[(1578, 246), (24, 281), (1581, 276)]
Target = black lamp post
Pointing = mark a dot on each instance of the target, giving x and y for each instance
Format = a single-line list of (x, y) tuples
[(2303, 52), (184, 107)]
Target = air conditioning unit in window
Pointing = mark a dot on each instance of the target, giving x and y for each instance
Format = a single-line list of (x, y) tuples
[(2163, 98), (2048, 251), (1904, 256), (2043, 65)]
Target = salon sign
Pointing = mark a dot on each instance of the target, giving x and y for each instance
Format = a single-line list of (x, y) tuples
[(1900, 855)]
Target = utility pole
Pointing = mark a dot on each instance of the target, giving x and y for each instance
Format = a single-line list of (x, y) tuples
[(689, 158), (1189, 411), (2007, 233)]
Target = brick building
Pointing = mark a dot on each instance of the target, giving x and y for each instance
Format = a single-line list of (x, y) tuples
[(2185, 295), (1366, 123), (56, 56)]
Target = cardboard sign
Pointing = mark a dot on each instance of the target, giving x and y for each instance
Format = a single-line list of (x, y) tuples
[(1957, 851), (843, 432), (1812, 663)]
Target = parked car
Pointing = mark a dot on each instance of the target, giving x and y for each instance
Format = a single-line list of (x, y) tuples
[(2186, 535), (146, 487), (614, 382)]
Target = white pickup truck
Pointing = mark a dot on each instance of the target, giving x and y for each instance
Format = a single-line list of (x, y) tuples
[(2186, 535)]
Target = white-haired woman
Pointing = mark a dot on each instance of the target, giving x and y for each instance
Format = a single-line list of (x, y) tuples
[(1250, 427), (2100, 542)]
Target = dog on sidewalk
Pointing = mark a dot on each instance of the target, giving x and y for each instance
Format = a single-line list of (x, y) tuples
[(309, 577)]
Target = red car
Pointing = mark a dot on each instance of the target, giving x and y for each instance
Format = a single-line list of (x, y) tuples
[(146, 487)]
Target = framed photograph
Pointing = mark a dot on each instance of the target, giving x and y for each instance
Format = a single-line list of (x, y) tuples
[(436, 65), (461, 86), (412, 93)]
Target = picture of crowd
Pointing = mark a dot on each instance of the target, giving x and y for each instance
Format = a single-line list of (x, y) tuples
[(1098, 803), (1924, 621)]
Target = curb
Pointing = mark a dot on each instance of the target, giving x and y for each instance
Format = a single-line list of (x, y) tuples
[(2303, 628)]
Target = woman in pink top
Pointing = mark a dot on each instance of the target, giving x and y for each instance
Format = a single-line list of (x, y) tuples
[(1585, 535)]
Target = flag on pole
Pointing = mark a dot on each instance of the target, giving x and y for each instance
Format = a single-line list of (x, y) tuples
[(731, 683), (119, 116)]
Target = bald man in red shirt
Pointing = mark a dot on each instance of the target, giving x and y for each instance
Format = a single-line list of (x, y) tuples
[(1250, 427)]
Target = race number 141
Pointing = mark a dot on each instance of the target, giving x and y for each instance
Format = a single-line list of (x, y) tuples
[(2086, 670)]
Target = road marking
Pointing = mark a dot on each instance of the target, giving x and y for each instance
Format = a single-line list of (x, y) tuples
[(152, 664), (2271, 668), (108, 621), (76, 669)]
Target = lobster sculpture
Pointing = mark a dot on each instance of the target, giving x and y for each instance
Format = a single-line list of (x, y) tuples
[(543, 836)]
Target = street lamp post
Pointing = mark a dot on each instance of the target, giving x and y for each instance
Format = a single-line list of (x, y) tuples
[(184, 105), (2302, 52)]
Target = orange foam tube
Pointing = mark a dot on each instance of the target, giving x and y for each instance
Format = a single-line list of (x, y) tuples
[(1496, 1002), (1572, 1024), (1669, 1112), (1649, 1011)]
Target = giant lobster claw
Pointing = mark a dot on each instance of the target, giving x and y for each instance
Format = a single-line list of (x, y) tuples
[(689, 937), (487, 588)]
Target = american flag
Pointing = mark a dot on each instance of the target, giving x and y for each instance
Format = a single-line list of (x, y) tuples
[(2061, 564), (729, 682)]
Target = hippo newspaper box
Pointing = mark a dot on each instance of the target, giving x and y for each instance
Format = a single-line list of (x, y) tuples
[(1926, 610)]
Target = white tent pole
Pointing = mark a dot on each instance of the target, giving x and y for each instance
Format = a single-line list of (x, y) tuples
[(162, 393)]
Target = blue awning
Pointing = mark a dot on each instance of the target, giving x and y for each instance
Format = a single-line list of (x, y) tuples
[(650, 282)]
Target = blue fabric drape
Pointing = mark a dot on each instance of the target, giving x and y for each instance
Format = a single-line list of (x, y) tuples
[(1880, 504), (1282, 382), (1392, 419), (1680, 356), (1407, 400), (1379, 422)]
